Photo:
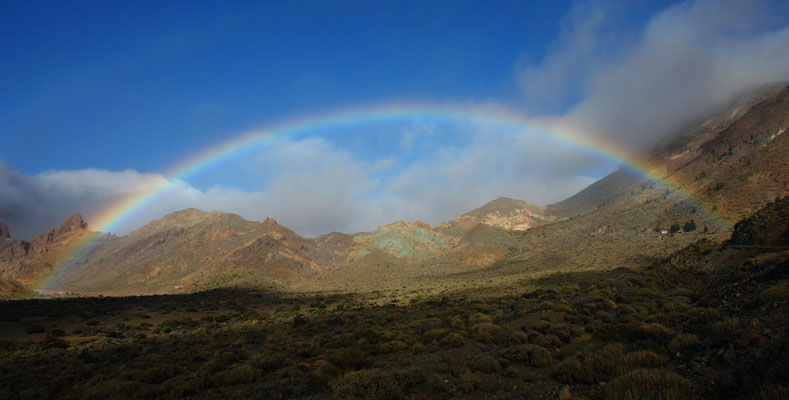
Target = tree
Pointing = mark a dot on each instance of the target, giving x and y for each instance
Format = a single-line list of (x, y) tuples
[(674, 228), (689, 226)]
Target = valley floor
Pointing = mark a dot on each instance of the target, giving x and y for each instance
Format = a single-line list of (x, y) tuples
[(709, 322)]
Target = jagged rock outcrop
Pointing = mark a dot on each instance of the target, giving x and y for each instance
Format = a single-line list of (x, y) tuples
[(4, 231), (25, 263)]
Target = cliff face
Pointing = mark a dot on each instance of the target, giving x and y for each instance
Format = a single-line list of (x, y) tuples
[(25, 263)]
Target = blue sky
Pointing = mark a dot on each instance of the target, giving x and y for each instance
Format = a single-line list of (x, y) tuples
[(100, 98), (135, 85)]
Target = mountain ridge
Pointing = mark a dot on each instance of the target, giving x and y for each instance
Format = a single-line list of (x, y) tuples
[(735, 162)]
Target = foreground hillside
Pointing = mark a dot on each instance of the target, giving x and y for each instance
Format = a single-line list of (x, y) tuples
[(709, 321)]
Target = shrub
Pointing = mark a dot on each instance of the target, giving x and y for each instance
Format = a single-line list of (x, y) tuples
[(349, 358), (486, 364), (393, 346), (433, 335), (682, 342), (775, 293), (648, 384), (532, 355), (367, 384), (644, 359), (726, 328), (454, 340), (545, 305), (592, 366), (237, 374), (655, 330), (542, 326), (564, 308), (487, 327)]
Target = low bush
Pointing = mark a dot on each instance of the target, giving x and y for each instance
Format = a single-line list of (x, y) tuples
[(726, 327), (648, 384), (485, 364), (775, 293), (643, 359), (531, 355), (349, 358), (682, 342), (372, 384)]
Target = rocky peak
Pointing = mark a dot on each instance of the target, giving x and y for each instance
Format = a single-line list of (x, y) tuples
[(4, 232), (73, 223), (422, 225), (270, 221)]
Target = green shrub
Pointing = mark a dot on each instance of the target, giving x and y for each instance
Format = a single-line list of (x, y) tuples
[(487, 327), (349, 358), (237, 374), (775, 293), (682, 342), (454, 340), (648, 384), (644, 359), (545, 305), (485, 364), (532, 355), (564, 308), (726, 328), (372, 384), (655, 331), (592, 366), (433, 335), (707, 314)]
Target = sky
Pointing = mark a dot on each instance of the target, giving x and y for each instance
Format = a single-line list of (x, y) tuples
[(101, 99)]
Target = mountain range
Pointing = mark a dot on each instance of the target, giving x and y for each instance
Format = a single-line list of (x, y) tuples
[(721, 170)]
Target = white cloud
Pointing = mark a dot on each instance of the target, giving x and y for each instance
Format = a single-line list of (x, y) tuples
[(690, 59), (313, 187)]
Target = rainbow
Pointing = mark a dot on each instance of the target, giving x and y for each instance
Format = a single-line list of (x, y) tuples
[(496, 118)]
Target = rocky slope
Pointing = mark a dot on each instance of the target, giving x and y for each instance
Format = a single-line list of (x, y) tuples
[(194, 249), (403, 240), (23, 264), (502, 213)]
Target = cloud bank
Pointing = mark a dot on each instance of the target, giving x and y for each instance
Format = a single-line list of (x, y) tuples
[(687, 61), (313, 187)]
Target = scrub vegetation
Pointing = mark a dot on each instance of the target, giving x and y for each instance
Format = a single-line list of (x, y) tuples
[(709, 322)]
